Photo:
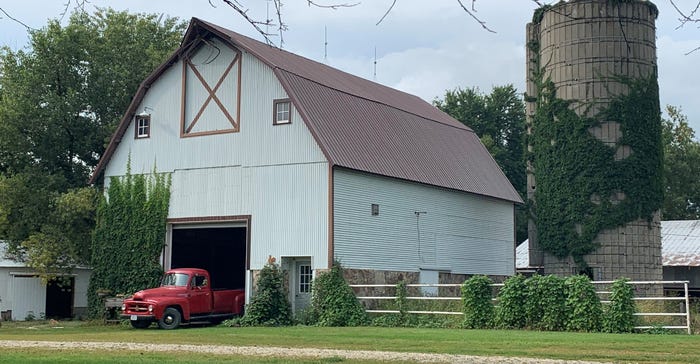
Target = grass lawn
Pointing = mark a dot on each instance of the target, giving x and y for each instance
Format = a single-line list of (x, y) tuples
[(534, 344)]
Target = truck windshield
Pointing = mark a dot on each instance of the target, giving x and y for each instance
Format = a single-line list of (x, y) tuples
[(175, 279)]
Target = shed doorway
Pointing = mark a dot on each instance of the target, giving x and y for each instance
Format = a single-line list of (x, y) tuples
[(222, 250), (59, 298)]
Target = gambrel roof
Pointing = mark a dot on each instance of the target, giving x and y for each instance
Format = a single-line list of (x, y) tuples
[(360, 124)]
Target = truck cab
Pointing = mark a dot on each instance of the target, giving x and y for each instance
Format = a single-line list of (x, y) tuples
[(184, 296)]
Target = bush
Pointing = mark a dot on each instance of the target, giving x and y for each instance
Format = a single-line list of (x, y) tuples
[(583, 305), (269, 306), (619, 315), (510, 313), (545, 306), (476, 302), (333, 302), (404, 319)]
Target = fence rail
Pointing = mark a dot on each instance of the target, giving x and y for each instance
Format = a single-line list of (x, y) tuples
[(685, 299)]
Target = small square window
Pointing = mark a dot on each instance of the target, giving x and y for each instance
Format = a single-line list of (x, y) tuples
[(282, 112), (143, 126), (375, 209)]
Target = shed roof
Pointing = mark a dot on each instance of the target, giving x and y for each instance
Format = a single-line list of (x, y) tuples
[(680, 245), (6, 262), (360, 124)]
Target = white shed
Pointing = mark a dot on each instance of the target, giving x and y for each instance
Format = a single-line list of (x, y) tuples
[(23, 294)]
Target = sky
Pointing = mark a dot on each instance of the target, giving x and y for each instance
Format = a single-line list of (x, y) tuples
[(420, 49)]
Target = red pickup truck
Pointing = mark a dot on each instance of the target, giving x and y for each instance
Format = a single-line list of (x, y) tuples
[(185, 295)]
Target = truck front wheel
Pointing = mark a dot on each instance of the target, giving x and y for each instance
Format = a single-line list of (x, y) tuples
[(171, 319)]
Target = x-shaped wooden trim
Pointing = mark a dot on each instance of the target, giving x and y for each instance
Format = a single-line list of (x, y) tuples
[(212, 93)]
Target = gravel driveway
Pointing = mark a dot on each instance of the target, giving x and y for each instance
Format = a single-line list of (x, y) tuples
[(278, 352)]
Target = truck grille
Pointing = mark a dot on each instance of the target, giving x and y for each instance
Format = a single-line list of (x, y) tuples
[(136, 307)]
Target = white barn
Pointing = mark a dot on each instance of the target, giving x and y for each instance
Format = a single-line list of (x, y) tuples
[(24, 295), (274, 154)]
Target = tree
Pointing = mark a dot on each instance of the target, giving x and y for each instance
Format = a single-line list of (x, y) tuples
[(63, 97), (60, 100), (499, 120), (681, 168)]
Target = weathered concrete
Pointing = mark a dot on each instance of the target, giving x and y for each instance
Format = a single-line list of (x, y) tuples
[(582, 45)]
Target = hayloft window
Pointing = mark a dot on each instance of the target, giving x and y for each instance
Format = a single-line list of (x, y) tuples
[(282, 112), (143, 126)]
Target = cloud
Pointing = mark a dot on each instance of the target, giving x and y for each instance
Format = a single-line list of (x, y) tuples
[(679, 76)]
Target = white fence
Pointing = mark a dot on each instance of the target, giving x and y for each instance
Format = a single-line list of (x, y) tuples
[(684, 308)]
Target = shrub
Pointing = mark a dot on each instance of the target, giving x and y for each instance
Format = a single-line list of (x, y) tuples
[(333, 302), (583, 305), (545, 306), (619, 315), (404, 318), (476, 302), (510, 313), (269, 306)]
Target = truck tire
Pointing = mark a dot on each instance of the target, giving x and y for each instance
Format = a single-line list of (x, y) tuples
[(141, 324), (171, 319)]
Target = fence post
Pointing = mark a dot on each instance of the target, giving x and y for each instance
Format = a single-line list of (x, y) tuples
[(687, 307)]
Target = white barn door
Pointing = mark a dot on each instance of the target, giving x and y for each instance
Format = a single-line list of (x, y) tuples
[(28, 295)]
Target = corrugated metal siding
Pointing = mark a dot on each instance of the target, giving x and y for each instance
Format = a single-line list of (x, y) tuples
[(288, 205), (206, 192), (289, 208), (27, 294), (277, 174), (257, 143), (211, 62), (459, 232)]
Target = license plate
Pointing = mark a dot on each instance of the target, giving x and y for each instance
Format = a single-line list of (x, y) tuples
[(134, 318)]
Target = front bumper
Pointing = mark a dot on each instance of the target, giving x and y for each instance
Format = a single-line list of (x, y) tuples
[(138, 317)]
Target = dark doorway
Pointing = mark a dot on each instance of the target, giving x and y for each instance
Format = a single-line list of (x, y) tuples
[(221, 251), (59, 298)]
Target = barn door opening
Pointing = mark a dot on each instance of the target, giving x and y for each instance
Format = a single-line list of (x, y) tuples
[(59, 298), (220, 250)]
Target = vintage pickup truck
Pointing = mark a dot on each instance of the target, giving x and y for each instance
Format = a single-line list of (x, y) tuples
[(184, 296)]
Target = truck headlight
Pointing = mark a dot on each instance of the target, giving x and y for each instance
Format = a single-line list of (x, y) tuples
[(150, 308), (123, 307)]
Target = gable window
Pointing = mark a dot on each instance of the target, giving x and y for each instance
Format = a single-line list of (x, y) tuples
[(282, 112), (143, 126)]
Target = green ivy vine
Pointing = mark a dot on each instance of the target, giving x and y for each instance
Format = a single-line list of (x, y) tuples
[(581, 188), (129, 237)]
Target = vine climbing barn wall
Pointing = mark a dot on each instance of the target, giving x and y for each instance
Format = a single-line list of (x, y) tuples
[(580, 45)]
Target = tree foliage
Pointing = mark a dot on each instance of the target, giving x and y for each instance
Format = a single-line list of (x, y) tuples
[(681, 168), (63, 96), (60, 99), (129, 236), (498, 119)]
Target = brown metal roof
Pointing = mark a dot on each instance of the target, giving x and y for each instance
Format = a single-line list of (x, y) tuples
[(365, 126)]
